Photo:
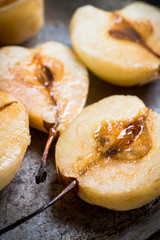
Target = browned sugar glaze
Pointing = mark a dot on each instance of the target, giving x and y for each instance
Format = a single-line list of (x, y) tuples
[(7, 105), (125, 30), (47, 77), (41, 71), (119, 141)]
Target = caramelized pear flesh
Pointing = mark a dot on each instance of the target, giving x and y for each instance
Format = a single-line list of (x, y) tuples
[(112, 149), (49, 80), (120, 47), (14, 137)]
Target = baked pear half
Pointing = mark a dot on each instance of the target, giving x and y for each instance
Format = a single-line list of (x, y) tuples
[(49, 80), (121, 47), (19, 20), (113, 150), (51, 83), (14, 137)]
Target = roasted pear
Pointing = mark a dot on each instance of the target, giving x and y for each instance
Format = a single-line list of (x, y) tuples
[(19, 20), (109, 155), (121, 47), (14, 137), (50, 81), (113, 150), (45, 79)]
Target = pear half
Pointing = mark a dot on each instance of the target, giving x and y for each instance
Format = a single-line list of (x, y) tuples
[(121, 47), (113, 149), (49, 80), (14, 137)]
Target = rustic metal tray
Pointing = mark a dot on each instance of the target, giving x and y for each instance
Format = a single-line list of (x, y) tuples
[(70, 217)]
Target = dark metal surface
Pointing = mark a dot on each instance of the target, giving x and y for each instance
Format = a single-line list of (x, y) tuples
[(72, 218)]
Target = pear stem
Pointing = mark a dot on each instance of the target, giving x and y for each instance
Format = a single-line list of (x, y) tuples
[(69, 187), (42, 173), (46, 76)]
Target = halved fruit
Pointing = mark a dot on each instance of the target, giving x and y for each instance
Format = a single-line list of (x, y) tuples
[(14, 137), (52, 84), (113, 150), (20, 20), (46, 79), (121, 47)]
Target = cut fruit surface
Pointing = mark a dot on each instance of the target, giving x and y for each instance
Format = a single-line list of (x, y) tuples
[(49, 80), (121, 47), (112, 148), (14, 137), (20, 20)]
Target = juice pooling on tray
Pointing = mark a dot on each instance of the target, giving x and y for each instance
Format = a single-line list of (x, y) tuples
[(19, 20)]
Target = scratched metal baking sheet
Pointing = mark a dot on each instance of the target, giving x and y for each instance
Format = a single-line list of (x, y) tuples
[(70, 217)]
